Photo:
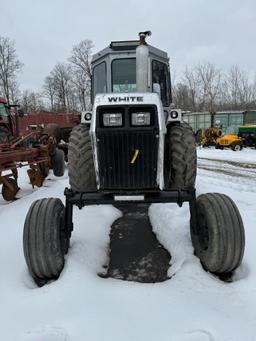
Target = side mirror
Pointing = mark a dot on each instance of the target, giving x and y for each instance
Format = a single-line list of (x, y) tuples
[(21, 112)]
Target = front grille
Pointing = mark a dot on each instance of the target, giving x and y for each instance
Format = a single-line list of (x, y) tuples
[(116, 149)]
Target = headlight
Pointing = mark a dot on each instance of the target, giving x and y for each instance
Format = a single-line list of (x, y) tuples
[(113, 120), (141, 118)]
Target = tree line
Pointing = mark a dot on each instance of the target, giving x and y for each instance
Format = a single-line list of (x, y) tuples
[(66, 89), (202, 87)]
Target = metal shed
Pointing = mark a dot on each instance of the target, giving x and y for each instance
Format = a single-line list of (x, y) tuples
[(222, 119)]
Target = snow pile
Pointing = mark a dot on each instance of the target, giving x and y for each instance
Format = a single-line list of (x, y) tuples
[(192, 306)]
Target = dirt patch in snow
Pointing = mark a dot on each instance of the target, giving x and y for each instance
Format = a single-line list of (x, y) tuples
[(135, 253)]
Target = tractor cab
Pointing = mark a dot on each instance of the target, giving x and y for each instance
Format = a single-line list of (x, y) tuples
[(4, 111), (130, 67), (6, 121), (9, 120)]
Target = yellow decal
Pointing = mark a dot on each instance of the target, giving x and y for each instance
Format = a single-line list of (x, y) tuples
[(135, 156)]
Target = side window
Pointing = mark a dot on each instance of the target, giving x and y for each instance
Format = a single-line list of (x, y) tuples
[(161, 81), (99, 79), (3, 113)]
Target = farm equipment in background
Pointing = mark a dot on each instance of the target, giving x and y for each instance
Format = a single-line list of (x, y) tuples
[(9, 127), (132, 149), (230, 140), (38, 148), (50, 124), (207, 137), (54, 124), (39, 157), (248, 135), (38, 141), (14, 123)]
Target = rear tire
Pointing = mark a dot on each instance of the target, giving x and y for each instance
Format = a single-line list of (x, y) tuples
[(44, 239), (58, 163), (219, 238), (182, 161), (80, 160)]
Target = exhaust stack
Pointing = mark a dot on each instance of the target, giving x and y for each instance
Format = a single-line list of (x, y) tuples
[(142, 54)]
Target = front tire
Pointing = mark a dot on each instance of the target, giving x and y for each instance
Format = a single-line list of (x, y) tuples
[(80, 160), (219, 237), (236, 146), (44, 239)]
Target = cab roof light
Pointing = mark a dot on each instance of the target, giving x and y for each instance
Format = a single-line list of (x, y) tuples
[(124, 45)]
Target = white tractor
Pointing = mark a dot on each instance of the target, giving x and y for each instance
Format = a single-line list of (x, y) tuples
[(132, 147)]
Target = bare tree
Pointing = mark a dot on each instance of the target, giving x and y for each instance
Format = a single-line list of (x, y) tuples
[(31, 101), (82, 71), (246, 92), (209, 84), (49, 90), (82, 88), (181, 96), (81, 56), (9, 66), (231, 87), (61, 79), (201, 88), (190, 80), (238, 90), (14, 91)]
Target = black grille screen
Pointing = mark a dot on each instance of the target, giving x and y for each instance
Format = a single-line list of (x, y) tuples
[(117, 149)]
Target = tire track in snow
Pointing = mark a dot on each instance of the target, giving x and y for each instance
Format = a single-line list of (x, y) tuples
[(235, 173)]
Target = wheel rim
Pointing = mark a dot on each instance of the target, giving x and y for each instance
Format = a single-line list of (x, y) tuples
[(237, 147)]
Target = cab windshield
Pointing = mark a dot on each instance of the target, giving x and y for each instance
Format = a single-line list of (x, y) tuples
[(124, 75), (3, 112)]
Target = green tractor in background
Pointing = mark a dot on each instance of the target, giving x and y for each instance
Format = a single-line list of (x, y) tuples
[(248, 135)]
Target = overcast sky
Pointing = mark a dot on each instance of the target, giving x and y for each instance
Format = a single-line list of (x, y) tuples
[(221, 31)]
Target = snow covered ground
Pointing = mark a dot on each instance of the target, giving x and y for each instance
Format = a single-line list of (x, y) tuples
[(192, 306)]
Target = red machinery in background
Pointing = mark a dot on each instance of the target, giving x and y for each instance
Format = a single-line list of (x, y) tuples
[(31, 140), (42, 119)]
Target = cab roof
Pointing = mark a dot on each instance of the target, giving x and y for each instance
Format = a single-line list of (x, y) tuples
[(126, 46)]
